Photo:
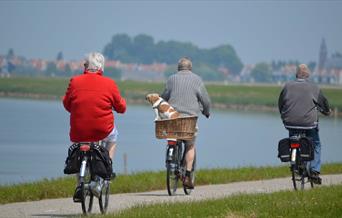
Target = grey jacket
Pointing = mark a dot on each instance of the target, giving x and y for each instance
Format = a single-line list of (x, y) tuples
[(299, 102), (186, 92)]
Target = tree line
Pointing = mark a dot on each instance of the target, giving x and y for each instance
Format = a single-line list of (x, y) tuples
[(143, 49)]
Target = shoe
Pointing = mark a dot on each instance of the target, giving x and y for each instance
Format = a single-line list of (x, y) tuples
[(315, 177), (188, 183), (78, 195)]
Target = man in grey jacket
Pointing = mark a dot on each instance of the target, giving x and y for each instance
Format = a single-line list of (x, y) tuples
[(186, 92), (299, 103)]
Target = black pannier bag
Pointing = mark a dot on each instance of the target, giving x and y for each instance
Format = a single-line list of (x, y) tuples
[(73, 162), (101, 164), (284, 151), (306, 149)]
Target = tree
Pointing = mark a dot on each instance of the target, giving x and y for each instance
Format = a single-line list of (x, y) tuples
[(262, 72), (143, 48), (68, 70), (119, 48), (207, 73), (114, 73), (224, 55), (51, 68)]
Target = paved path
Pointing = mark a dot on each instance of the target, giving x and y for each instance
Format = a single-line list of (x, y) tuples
[(66, 208)]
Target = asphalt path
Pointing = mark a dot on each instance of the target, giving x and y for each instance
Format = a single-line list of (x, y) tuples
[(65, 207)]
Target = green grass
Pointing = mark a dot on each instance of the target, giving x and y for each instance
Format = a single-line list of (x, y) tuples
[(145, 181), (221, 95), (318, 202)]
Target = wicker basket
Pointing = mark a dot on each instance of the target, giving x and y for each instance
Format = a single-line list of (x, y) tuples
[(179, 128)]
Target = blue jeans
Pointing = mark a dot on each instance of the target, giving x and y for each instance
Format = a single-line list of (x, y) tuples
[(313, 134)]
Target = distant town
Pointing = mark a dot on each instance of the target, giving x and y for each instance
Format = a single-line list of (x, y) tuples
[(327, 69)]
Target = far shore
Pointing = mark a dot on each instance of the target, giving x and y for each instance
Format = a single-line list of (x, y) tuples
[(238, 107), (220, 106)]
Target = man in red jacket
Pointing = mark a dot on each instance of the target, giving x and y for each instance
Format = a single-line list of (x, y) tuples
[(90, 99)]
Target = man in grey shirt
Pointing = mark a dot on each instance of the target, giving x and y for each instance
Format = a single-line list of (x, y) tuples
[(298, 103), (186, 92)]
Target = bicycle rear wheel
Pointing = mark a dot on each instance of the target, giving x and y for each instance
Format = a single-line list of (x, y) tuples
[(87, 195), (104, 197), (297, 177)]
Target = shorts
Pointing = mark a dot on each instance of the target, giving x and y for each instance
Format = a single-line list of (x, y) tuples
[(192, 141), (112, 137)]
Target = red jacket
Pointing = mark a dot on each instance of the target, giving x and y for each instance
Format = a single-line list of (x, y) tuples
[(90, 99)]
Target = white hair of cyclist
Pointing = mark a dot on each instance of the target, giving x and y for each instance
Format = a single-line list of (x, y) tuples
[(94, 62)]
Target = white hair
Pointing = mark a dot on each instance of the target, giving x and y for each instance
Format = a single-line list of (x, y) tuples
[(94, 61)]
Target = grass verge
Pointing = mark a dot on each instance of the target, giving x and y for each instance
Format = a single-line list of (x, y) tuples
[(222, 96), (318, 202), (145, 181)]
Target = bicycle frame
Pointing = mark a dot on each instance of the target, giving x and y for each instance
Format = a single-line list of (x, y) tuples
[(88, 191), (176, 166), (299, 168)]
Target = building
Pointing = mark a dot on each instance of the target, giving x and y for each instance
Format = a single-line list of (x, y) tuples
[(329, 69)]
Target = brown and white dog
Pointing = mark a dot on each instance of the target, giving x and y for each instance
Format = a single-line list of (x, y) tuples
[(162, 109)]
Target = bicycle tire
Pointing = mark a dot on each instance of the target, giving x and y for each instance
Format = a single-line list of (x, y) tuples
[(104, 197), (188, 191), (172, 172), (87, 195), (309, 179), (297, 177), (171, 180)]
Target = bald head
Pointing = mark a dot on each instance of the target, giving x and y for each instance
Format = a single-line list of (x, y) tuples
[(184, 64), (303, 72)]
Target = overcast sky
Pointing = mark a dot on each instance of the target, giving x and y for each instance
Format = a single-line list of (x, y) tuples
[(258, 30)]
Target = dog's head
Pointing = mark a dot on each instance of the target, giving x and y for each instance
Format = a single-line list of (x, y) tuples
[(152, 98)]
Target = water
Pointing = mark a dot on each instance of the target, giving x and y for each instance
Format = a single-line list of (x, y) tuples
[(34, 140)]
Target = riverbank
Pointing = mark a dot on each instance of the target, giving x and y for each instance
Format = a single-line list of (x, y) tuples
[(262, 198), (146, 181), (237, 96)]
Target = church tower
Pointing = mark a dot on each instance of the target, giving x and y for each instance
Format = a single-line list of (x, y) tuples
[(323, 54)]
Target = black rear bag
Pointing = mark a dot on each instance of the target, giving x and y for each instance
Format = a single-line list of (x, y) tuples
[(284, 151), (306, 149), (73, 162), (101, 163)]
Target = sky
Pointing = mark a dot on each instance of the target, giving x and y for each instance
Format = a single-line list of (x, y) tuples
[(258, 30)]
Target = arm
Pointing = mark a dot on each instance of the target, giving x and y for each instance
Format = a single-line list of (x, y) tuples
[(166, 93), (323, 104), (204, 99), (67, 97), (118, 102), (281, 101)]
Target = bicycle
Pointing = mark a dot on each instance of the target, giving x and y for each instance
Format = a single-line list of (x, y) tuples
[(175, 131), (91, 184), (176, 166), (298, 150)]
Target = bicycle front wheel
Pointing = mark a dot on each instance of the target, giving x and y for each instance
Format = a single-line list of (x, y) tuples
[(171, 179), (297, 177), (104, 197)]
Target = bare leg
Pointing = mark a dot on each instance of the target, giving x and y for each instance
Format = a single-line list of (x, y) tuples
[(189, 157), (111, 149)]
